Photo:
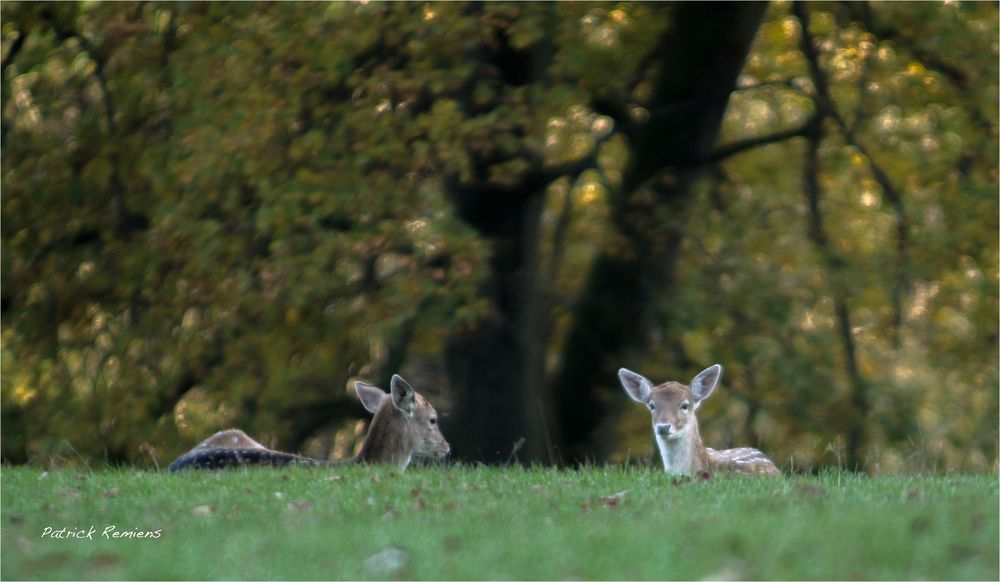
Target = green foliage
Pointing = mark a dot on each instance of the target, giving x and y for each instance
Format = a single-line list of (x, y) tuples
[(217, 214), (428, 523), (266, 239)]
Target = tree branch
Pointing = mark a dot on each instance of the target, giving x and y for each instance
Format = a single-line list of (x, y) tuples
[(781, 83), (834, 264), (14, 49), (740, 146), (618, 111), (7, 60), (857, 419), (859, 110), (825, 107), (951, 72), (579, 165)]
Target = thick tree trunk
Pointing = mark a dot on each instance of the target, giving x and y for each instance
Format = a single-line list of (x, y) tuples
[(495, 368), (696, 66)]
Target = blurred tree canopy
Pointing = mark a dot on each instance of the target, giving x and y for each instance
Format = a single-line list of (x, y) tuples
[(218, 214)]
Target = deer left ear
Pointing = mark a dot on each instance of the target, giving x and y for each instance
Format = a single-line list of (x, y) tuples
[(403, 395), (704, 383), (370, 396), (637, 386)]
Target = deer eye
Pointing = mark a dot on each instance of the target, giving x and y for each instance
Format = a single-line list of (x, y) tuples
[(434, 420), (652, 406), (685, 406)]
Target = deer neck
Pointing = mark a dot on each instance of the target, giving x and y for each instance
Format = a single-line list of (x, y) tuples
[(685, 455), (388, 440)]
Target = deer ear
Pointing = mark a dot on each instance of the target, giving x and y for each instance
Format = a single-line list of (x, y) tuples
[(636, 385), (403, 395), (704, 383), (370, 396)]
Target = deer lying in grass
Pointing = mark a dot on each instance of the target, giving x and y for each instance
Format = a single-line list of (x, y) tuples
[(404, 425), (675, 426)]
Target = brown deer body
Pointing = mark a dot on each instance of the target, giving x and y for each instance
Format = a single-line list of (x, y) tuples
[(675, 426), (404, 425)]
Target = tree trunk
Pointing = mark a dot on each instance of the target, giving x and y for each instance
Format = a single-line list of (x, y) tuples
[(496, 367)]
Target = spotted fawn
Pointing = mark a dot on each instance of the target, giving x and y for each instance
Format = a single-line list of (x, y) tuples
[(675, 426)]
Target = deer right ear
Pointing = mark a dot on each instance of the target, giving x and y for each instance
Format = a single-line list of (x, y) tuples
[(370, 396), (704, 383), (636, 385), (403, 395)]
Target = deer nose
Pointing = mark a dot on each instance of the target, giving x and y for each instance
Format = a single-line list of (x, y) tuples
[(662, 428)]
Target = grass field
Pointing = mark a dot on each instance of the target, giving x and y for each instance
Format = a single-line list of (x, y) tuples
[(491, 523)]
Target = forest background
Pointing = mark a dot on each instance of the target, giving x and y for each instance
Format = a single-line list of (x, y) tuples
[(220, 214)]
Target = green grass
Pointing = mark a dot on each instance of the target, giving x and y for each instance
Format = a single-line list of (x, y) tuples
[(491, 523)]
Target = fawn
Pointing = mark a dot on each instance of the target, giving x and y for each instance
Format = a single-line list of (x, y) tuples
[(675, 426), (404, 425)]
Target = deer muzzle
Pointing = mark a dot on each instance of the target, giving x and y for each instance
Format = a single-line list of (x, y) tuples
[(662, 429)]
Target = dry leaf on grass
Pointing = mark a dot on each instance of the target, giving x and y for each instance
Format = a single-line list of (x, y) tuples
[(615, 499)]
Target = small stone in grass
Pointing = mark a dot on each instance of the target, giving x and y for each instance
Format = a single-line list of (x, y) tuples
[(388, 562)]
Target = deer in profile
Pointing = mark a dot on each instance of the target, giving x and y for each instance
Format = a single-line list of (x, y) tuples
[(675, 426), (404, 425)]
